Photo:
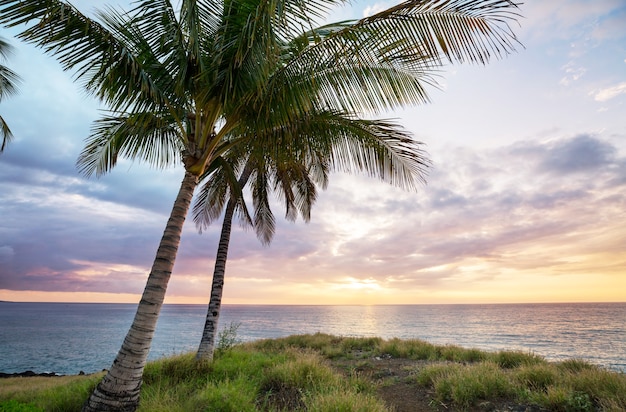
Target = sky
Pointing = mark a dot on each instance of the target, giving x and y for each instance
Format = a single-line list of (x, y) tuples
[(525, 200)]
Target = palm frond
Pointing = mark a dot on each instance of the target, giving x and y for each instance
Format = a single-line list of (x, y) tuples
[(378, 148), (305, 190), (264, 221), (5, 133), (143, 136), (8, 78), (8, 86), (284, 177), (104, 62), (384, 61), (381, 149), (8, 82), (292, 17), (214, 194)]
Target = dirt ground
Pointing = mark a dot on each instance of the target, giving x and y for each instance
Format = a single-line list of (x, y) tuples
[(401, 393)]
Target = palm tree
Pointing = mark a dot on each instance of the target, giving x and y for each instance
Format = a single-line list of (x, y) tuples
[(8, 81), (298, 188), (295, 183), (190, 85)]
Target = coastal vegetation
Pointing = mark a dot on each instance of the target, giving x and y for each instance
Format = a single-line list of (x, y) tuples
[(321, 372)]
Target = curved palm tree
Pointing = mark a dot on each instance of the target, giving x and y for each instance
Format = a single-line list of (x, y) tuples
[(190, 85), (8, 82), (295, 183)]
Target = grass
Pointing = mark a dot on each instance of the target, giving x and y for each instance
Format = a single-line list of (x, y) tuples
[(309, 373)]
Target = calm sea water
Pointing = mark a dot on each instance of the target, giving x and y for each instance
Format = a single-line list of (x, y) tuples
[(68, 338)]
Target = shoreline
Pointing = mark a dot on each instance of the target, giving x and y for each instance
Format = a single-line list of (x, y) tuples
[(31, 374)]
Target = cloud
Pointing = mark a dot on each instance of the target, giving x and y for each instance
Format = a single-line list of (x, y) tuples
[(484, 213), (567, 19), (452, 225), (581, 153), (546, 205), (608, 93), (611, 26), (375, 8), (572, 74), (6, 252)]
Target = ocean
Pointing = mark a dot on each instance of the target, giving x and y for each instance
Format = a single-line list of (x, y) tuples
[(66, 338)]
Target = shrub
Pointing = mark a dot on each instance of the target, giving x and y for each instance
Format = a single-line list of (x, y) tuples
[(227, 338), (434, 373), (575, 365), (514, 359), (536, 377), (465, 386), (601, 386), (412, 349)]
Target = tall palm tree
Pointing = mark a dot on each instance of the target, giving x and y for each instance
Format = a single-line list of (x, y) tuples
[(189, 85), (8, 86)]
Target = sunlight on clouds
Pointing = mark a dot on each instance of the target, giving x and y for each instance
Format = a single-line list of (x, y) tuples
[(75, 297), (358, 284), (235, 279), (100, 269), (439, 268)]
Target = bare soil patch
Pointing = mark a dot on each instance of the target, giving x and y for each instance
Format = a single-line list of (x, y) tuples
[(397, 388)]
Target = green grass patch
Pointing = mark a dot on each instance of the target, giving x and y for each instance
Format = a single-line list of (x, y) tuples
[(466, 386)]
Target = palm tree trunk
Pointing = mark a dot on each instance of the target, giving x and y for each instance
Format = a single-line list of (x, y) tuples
[(119, 389), (207, 343)]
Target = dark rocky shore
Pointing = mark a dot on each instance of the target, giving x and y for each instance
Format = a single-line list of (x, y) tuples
[(29, 374)]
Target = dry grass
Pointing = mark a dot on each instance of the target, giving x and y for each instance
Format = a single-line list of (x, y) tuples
[(11, 387)]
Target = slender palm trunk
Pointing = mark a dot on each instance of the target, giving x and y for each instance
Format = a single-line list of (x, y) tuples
[(119, 389), (207, 343)]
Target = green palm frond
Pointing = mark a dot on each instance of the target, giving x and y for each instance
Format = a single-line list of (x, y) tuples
[(319, 170), (264, 220), (295, 16), (8, 82), (8, 78), (385, 61), (418, 34), (8, 86), (212, 197), (379, 148), (221, 186), (141, 136), (285, 175), (5, 133), (103, 61), (299, 190)]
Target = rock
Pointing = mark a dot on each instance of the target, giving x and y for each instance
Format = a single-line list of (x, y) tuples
[(27, 374)]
